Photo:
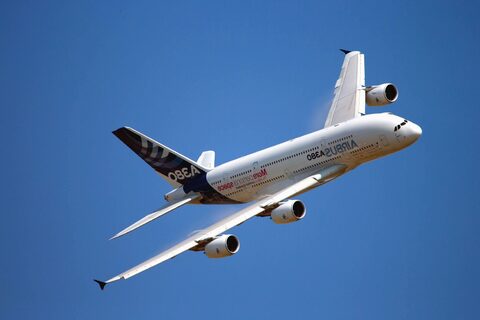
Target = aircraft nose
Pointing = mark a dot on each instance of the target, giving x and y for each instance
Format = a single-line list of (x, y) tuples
[(414, 132)]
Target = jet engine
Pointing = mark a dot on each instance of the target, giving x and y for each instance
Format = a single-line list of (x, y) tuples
[(288, 211), (222, 246), (381, 95)]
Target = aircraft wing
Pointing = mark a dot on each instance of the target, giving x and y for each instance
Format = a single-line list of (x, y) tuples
[(349, 99), (154, 215), (231, 221)]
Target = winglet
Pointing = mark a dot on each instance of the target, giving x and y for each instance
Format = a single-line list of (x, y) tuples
[(345, 51), (102, 284)]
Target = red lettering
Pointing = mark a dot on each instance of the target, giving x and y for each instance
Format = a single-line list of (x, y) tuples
[(225, 186), (260, 174)]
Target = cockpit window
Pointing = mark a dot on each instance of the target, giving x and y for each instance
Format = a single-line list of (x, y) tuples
[(400, 125)]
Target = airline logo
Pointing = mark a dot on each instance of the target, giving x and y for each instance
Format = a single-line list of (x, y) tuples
[(244, 180), (334, 150), (225, 186)]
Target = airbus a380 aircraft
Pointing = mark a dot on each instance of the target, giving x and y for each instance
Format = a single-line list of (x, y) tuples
[(272, 176)]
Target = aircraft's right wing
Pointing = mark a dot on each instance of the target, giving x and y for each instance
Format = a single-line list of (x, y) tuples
[(229, 222), (349, 100)]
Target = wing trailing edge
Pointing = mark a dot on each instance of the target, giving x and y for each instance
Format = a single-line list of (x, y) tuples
[(231, 221)]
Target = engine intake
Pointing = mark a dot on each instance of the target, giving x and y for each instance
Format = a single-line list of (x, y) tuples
[(288, 212), (222, 246), (381, 95)]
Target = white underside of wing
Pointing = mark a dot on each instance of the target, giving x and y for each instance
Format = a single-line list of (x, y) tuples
[(234, 220), (349, 99)]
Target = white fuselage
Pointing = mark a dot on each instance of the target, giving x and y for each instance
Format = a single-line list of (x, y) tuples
[(349, 143)]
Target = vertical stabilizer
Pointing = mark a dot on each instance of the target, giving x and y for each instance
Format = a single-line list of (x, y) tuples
[(169, 164)]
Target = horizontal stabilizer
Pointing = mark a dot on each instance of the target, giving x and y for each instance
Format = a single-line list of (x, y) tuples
[(154, 215), (207, 159)]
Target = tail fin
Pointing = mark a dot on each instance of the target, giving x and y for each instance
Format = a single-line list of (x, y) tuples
[(172, 166)]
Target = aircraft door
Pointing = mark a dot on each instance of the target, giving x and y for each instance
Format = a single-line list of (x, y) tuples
[(383, 141), (288, 173), (323, 144), (250, 188)]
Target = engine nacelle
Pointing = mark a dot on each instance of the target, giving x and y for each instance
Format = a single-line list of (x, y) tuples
[(381, 95), (288, 211), (222, 246)]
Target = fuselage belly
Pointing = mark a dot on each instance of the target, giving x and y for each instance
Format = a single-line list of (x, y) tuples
[(350, 143)]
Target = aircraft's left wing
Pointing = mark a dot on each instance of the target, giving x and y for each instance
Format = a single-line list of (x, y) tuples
[(231, 221), (349, 100)]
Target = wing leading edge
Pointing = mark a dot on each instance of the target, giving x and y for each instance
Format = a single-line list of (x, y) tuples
[(231, 221), (349, 94)]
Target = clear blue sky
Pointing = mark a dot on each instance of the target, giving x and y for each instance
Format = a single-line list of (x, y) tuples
[(396, 239)]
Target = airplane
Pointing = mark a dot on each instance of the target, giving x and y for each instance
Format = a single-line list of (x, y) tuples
[(271, 177)]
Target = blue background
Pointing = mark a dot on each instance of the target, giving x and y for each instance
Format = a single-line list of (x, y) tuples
[(395, 239)]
